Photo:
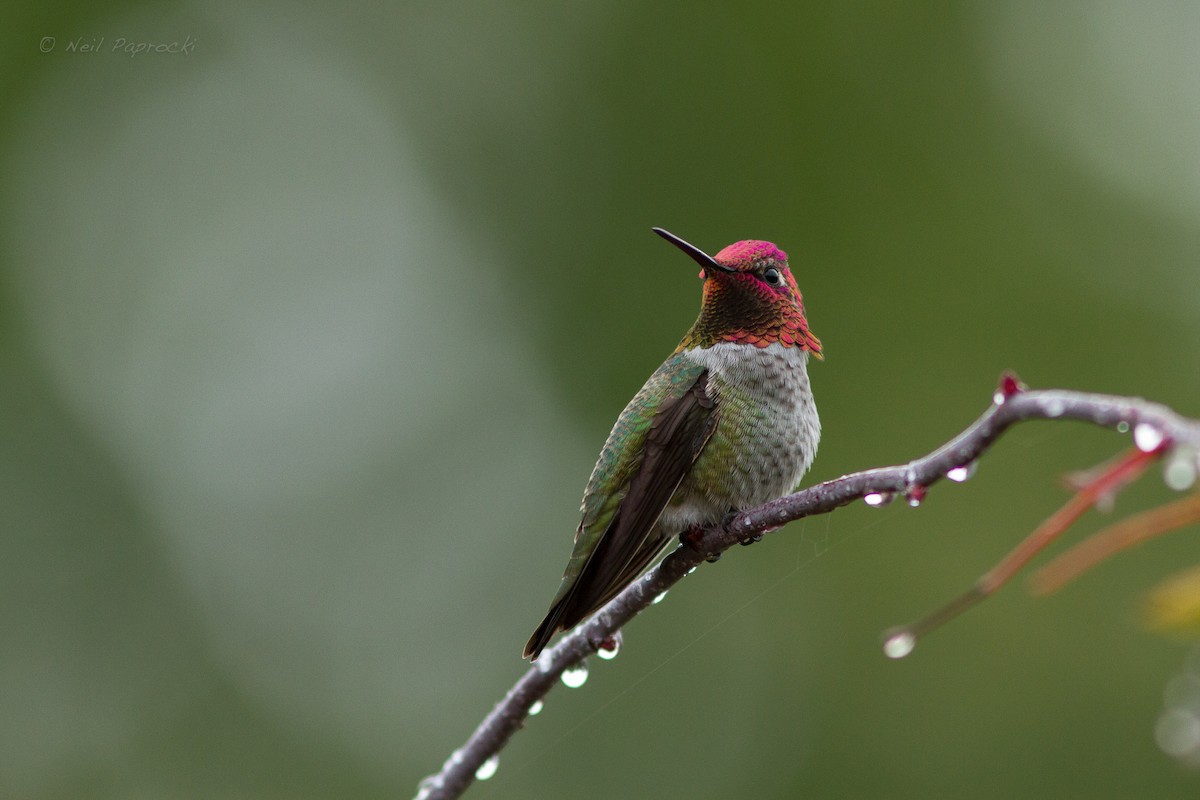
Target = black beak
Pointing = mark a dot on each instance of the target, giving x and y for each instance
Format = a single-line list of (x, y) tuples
[(699, 256)]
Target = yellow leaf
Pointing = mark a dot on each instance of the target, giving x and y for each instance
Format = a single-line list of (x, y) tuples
[(1174, 605)]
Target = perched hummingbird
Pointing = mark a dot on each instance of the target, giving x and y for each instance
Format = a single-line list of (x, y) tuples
[(726, 423)]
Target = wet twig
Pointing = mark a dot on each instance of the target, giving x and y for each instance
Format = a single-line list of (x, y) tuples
[(1150, 422)]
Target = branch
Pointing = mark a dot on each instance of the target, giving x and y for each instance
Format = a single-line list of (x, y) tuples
[(1151, 422), (1117, 537)]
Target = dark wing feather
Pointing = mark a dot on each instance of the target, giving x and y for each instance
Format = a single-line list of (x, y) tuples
[(677, 434)]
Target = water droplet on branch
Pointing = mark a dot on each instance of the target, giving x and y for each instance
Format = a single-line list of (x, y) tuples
[(899, 644), (536, 708), (1147, 437), (427, 786), (658, 599), (487, 769), (960, 474), (576, 676), (1179, 473), (878, 499), (609, 648)]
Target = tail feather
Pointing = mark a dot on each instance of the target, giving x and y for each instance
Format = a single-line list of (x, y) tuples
[(586, 597), (545, 632)]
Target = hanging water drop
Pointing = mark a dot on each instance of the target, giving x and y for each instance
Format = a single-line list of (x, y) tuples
[(960, 474), (427, 786), (899, 644), (536, 708), (690, 571), (609, 648), (576, 676), (1179, 473), (915, 494), (658, 599), (878, 499), (487, 769), (1147, 437)]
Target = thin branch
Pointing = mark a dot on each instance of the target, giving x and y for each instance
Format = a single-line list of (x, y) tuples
[(1117, 537), (1101, 488), (1154, 426)]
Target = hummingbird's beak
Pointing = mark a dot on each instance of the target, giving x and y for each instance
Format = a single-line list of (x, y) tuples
[(699, 256)]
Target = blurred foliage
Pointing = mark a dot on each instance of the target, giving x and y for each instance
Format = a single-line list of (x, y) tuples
[(1174, 605), (310, 335)]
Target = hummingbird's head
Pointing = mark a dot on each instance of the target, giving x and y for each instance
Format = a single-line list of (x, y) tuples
[(750, 297)]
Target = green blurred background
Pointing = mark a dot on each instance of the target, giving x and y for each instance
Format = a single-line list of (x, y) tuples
[(310, 336)]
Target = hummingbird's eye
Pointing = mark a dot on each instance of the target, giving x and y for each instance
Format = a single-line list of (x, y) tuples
[(773, 277)]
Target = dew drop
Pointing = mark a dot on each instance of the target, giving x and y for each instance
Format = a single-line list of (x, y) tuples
[(658, 599), (998, 398), (536, 708), (1179, 473), (690, 571), (427, 785), (1055, 408), (878, 499), (899, 644), (487, 769), (960, 474), (1147, 437), (915, 495), (609, 649), (574, 677), (1122, 427)]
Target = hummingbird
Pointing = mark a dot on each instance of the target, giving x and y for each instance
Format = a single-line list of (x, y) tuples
[(726, 423)]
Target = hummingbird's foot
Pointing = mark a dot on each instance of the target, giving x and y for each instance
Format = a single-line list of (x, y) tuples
[(748, 539), (693, 537), (755, 538)]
